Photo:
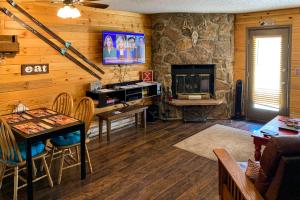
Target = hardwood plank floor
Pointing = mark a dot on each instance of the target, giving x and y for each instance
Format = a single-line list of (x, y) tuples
[(139, 165)]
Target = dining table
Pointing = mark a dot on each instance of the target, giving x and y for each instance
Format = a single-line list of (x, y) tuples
[(39, 125)]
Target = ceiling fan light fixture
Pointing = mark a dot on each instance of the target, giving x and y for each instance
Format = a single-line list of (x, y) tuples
[(68, 12), (76, 13)]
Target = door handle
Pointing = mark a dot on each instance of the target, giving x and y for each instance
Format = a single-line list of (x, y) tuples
[(283, 69)]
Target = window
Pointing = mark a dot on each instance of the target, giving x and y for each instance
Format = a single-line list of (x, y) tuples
[(267, 72)]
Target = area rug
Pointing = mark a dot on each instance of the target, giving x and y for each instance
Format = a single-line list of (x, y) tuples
[(237, 142)]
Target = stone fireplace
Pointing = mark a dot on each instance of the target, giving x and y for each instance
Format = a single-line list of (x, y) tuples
[(182, 40), (193, 79)]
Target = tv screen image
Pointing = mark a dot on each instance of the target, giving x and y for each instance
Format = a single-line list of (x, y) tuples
[(123, 48)]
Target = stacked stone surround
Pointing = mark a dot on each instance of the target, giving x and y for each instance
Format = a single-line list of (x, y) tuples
[(171, 44)]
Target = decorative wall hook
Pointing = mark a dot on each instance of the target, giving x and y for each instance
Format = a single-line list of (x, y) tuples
[(9, 47)]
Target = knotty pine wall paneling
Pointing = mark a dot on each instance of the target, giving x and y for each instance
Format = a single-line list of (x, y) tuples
[(85, 35), (280, 17)]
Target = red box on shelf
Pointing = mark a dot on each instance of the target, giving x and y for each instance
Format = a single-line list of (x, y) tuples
[(147, 76)]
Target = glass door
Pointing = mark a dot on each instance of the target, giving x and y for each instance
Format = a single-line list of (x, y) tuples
[(267, 73)]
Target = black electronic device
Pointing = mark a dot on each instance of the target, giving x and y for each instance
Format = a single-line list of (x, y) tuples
[(239, 100), (152, 113)]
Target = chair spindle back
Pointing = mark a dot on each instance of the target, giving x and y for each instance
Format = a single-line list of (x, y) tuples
[(85, 111), (63, 104), (8, 145)]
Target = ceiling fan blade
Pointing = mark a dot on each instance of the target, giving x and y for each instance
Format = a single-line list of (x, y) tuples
[(57, 1), (90, 1), (94, 5), (43, 1)]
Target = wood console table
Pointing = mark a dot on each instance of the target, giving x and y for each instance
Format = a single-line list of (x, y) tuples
[(128, 111), (203, 105)]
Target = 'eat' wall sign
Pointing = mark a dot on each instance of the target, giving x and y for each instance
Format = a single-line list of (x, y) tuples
[(31, 69)]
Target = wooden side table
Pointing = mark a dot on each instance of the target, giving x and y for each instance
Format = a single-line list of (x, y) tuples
[(129, 111), (260, 140)]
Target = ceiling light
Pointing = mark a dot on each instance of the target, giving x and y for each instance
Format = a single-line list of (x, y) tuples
[(68, 12)]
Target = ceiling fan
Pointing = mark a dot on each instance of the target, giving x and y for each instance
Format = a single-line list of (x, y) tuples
[(70, 11), (88, 3)]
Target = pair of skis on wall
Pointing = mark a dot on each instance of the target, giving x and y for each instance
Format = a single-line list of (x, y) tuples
[(62, 51)]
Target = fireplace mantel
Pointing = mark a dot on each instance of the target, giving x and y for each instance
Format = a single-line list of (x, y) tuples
[(202, 102)]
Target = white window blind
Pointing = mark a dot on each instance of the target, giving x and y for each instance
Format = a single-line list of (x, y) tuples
[(267, 61)]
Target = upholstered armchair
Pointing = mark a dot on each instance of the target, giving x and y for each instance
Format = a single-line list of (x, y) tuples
[(278, 178)]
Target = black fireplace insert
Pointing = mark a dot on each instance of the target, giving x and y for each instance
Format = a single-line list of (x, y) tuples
[(193, 79)]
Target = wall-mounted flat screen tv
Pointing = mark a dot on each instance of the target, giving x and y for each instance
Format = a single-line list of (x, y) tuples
[(123, 48)]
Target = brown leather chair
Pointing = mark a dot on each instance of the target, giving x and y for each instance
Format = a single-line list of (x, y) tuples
[(278, 179)]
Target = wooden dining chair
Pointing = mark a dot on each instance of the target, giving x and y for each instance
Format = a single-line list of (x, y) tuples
[(69, 144), (63, 104), (13, 158)]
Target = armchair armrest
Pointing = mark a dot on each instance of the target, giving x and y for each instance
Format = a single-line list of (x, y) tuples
[(233, 183)]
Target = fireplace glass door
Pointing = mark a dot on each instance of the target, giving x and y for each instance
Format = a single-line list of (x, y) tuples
[(192, 83), (268, 68)]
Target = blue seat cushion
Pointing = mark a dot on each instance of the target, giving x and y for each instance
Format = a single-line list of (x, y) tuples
[(36, 149), (67, 139)]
